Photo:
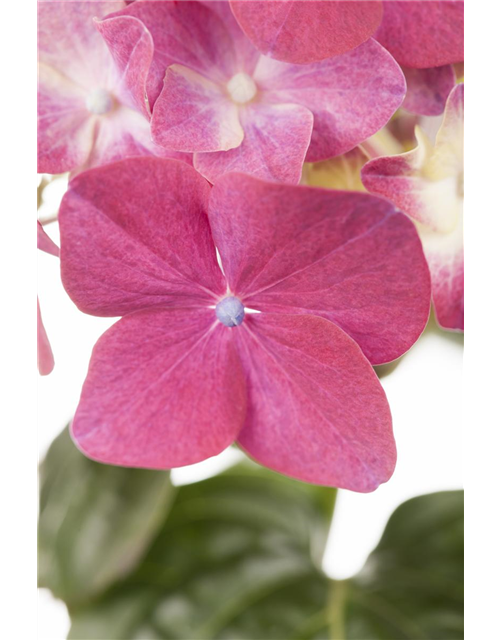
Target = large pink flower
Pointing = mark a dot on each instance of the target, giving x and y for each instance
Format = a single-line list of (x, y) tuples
[(90, 109), (45, 355), (427, 183), (216, 96), (340, 280)]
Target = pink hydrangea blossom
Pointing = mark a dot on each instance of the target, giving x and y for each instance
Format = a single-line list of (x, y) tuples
[(215, 95), (90, 109), (339, 279), (45, 355), (427, 183)]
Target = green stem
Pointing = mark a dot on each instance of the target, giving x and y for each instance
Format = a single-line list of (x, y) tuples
[(336, 609)]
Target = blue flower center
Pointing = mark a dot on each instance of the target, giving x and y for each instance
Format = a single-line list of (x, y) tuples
[(230, 311)]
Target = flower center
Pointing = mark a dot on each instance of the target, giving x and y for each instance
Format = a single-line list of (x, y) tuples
[(99, 101), (241, 88), (230, 311)]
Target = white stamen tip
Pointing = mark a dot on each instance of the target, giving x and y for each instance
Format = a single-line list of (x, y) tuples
[(99, 102), (242, 88)]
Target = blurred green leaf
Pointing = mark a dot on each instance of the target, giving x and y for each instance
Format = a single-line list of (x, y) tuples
[(412, 584), (238, 558), (96, 521)]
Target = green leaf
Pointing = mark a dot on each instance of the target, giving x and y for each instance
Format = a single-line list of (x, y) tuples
[(412, 584), (96, 521), (238, 558)]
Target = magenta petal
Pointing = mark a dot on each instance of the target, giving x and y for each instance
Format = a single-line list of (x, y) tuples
[(428, 89), (135, 234), (194, 114), (131, 46), (423, 33), (44, 242), (45, 356), (164, 389), (316, 410), (186, 33), (351, 96), (274, 146), (304, 32), (349, 257)]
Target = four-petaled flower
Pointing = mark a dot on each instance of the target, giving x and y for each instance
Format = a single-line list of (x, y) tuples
[(339, 279)]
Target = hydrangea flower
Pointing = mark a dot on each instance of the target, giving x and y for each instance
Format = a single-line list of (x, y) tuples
[(216, 96), (340, 281), (45, 355), (90, 110), (427, 183)]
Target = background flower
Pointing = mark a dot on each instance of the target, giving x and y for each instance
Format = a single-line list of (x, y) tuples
[(90, 110), (427, 183)]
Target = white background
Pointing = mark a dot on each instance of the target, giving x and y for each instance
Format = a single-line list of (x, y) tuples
[(423, 388)]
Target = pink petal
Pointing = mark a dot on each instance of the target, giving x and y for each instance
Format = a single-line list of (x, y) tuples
[(348, 257), (65, 131), (135, 234), (351, 96), (304, 32), (445, 256), (69, 42), (164, 389), (428, 89), (126, 134), (72, 61), (194, 114), (45, 356), (44, 242), (186, 33), (422, 33), (131, 47), (275, 143), (316, 410), (245, 52)]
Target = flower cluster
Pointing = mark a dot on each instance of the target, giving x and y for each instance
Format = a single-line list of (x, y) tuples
[(253, 308)]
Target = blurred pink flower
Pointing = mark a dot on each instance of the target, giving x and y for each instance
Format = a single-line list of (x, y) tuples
[(90, 110), (427, 183), (340, 280)]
